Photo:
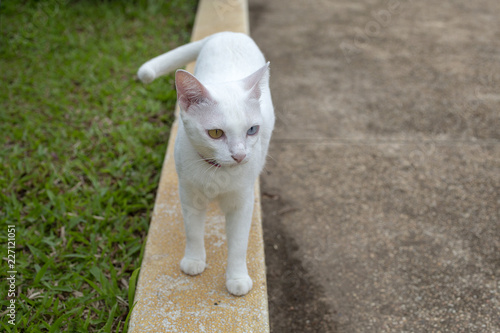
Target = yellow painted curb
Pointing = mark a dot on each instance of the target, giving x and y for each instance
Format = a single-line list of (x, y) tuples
[(168, 300)]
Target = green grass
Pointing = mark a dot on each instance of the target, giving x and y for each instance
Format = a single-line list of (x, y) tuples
[(81, 148)]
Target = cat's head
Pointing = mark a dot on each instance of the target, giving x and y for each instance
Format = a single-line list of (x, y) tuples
[(222, 120)]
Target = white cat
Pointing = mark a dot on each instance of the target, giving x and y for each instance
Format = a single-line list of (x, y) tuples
[(221, 146)]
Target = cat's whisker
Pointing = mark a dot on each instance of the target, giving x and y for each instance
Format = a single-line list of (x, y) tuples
[(271, 157)]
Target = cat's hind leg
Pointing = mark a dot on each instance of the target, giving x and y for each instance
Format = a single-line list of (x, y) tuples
[(194, 206)]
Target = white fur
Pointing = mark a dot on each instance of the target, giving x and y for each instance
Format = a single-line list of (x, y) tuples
[(229, 91)]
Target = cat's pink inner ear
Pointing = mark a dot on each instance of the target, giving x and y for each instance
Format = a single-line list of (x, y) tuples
[(254, 83), (190, 91)]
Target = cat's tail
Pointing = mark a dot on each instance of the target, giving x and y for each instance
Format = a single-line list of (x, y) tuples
[(170, 61)]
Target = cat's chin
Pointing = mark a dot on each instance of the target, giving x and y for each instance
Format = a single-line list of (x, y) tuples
[(234, 164)]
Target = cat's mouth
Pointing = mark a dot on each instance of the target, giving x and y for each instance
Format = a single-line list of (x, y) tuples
[(216, 164), (213, 162), (210, 161)]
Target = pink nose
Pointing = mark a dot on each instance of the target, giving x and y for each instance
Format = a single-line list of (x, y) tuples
[(239, 157)]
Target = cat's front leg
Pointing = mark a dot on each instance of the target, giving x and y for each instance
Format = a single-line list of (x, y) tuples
[(194, 206), (238, 209)]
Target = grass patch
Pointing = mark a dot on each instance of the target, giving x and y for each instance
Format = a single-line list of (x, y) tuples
[(81, 148)]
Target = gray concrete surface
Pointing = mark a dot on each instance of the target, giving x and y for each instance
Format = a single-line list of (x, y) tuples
[(381, 198)]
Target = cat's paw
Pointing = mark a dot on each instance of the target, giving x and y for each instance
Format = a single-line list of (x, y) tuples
[(239, 286), (192, 266)]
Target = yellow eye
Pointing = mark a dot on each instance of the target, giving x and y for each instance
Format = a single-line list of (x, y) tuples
[(215, 133)]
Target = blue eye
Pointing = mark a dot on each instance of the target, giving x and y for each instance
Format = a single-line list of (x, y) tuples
[(253, 130)]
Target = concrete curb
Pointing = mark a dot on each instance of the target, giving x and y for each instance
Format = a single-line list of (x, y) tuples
[(168, 300)]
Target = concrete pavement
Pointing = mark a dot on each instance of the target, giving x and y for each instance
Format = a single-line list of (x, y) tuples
[(381, 199)]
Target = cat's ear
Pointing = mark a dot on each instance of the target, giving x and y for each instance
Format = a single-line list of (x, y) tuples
[(256, 82), (189, 90)]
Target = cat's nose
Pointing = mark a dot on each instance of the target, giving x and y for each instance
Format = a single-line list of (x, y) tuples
[(239, 157)]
